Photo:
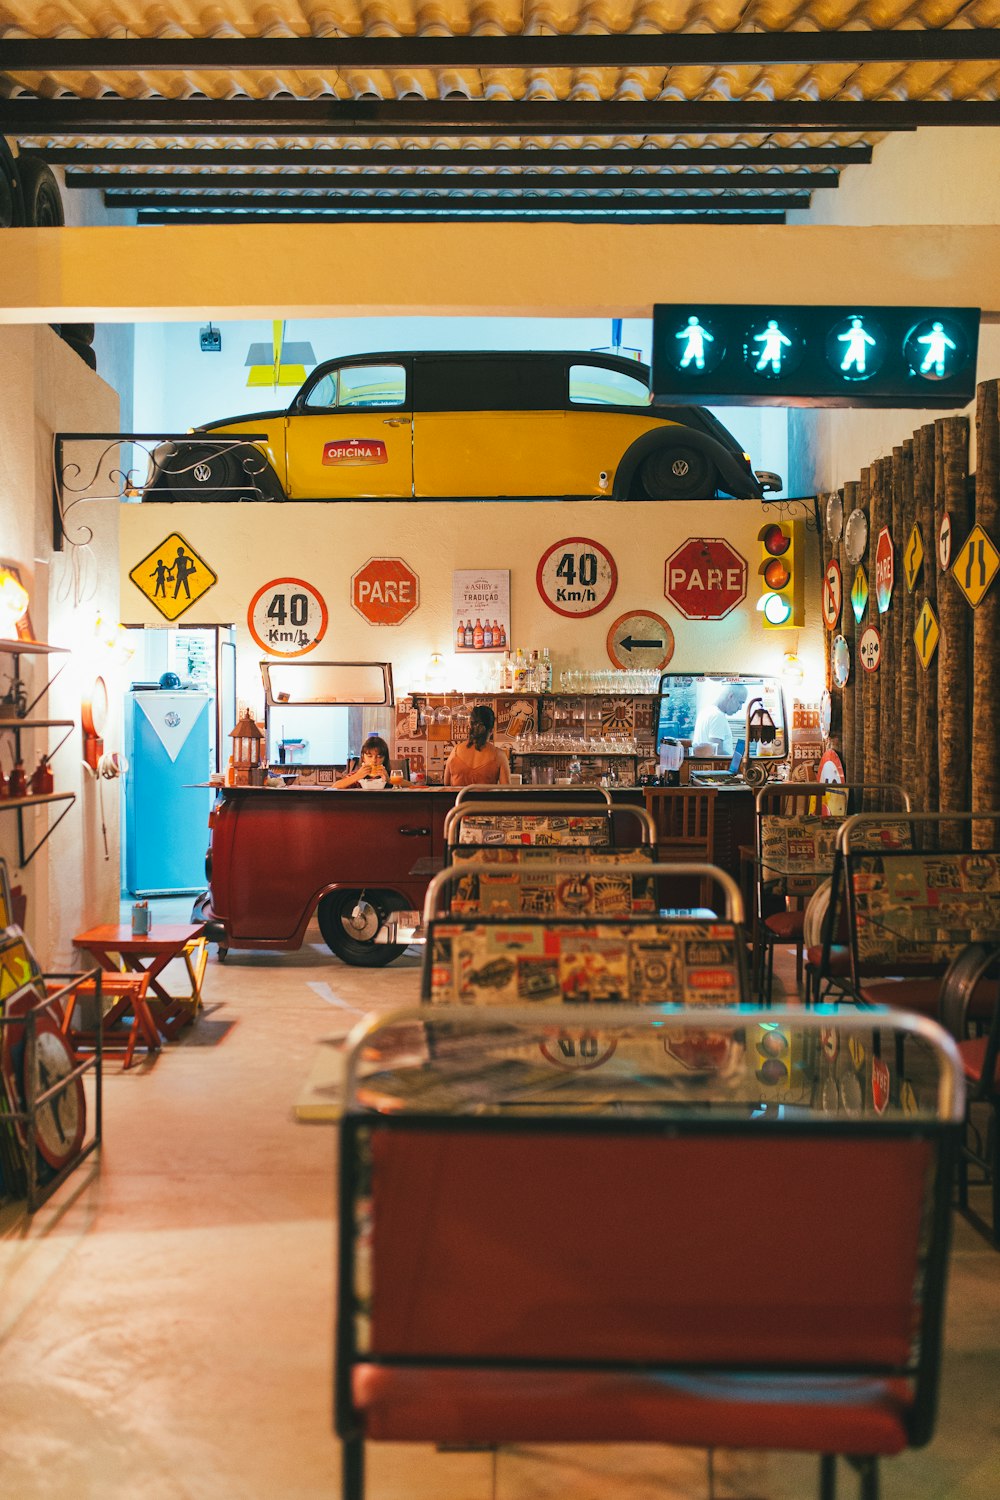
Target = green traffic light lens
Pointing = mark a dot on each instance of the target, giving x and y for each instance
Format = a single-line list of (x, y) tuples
[(777, 610)]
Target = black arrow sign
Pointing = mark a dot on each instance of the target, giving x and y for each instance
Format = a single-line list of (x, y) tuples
[(629, 644)]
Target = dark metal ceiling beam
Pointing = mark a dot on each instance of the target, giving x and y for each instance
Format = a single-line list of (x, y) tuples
[(444, 205), (22, 115), (541, 215), (666, 182), (574, 156), (648, 50)]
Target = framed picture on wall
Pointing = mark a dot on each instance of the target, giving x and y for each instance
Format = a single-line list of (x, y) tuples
[(481, 609)]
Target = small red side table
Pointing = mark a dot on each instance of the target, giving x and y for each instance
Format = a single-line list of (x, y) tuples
[(115, 947)]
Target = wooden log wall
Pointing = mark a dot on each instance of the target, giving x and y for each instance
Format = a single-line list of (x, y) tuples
[(985, 769), (926, 719)]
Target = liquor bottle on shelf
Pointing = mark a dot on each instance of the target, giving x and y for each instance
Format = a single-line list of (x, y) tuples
[(506, 674), (42, 780), (18, 782), (520, 671)]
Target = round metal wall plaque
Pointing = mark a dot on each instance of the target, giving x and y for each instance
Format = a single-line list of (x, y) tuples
[(856, 536), (825, 713), (841, 661)]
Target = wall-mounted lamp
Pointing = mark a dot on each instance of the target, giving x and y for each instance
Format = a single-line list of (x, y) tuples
[(113, 640), (13, 603)]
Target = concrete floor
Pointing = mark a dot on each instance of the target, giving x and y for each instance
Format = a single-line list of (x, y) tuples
[(166, 1320)]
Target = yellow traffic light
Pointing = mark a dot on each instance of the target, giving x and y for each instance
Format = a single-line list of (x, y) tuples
[(781, 568)]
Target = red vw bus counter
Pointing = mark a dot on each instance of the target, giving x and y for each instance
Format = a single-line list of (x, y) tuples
[(277, 856)]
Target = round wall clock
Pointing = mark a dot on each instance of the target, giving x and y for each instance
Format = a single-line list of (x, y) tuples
[(856, 536), (841, 661), (834, 516)]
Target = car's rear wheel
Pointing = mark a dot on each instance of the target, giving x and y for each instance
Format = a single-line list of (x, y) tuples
[(349, 921), (43, 205), (198, 472), (677, 472)]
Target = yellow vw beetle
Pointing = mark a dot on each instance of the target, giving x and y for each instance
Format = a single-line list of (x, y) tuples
[(563, 425)]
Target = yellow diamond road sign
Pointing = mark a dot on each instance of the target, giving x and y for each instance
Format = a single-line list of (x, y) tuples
[(173, 576), (913, 556), (975, 567), (926, 634)]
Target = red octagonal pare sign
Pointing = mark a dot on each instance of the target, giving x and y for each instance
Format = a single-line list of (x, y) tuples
[(385, 591), (705, 578)]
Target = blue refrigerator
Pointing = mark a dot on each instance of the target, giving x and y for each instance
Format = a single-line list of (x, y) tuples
[(168, 745)]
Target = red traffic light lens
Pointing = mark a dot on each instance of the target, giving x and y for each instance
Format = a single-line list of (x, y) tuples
[(776, 575), (776, 541)]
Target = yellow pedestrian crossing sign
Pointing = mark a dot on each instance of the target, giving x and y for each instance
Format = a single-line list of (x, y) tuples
[(173, 576), (926, 635), (913, 556), (975, 566)]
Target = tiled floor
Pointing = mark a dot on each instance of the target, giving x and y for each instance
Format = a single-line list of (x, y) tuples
[(166, 1321)]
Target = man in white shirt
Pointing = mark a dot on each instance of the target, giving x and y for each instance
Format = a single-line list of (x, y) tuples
[(712, 723)]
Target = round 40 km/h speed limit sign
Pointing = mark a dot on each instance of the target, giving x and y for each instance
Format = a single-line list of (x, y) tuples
[(287, 617), (577, 577)]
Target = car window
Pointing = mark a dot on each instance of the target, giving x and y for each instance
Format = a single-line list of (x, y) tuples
[(372, 385), (324, 392), (592, 385)]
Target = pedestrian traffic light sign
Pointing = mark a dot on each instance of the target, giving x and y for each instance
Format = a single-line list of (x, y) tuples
[(173, 576), (976, 566), (854, 355), (781, 599)]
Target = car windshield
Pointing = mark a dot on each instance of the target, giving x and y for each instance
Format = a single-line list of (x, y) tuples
[(593, 385)]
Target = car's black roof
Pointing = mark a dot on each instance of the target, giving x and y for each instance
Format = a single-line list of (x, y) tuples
[(589, 356)]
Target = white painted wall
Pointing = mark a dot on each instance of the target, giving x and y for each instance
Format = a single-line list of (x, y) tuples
[(932, 177), (44, 388), (325, 544)]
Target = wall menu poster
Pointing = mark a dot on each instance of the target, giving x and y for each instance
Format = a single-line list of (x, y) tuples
[(481, 609)]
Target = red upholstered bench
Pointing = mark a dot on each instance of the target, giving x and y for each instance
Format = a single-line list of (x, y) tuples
[(507, 1277)]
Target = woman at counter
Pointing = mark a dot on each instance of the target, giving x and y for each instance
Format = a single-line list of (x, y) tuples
[(478, 762), (373, 766)]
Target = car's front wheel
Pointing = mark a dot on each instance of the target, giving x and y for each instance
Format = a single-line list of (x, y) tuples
[(349, 922), (678, 472)]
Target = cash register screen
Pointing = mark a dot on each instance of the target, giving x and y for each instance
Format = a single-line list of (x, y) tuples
[(700, 708)]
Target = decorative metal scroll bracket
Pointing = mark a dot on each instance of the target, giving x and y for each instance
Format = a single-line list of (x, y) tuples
[(797, 508), (242, 465)]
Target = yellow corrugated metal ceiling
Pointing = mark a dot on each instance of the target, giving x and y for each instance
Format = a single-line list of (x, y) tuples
[(654, 102)]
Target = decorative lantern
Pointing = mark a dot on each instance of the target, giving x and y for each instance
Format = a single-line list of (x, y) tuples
[(245, 765)]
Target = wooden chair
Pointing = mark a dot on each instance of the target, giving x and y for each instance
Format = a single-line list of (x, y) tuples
[(684, 818), (126, 1019), (981, 1064), (487, 1295)]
